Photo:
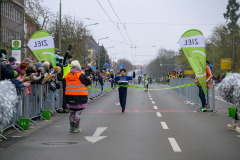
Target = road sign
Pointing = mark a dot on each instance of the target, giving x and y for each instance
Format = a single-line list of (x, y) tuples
[(226, 63), (16, 49), (188, 72)]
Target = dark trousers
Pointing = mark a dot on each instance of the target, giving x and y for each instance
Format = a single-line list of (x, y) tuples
[(202, 96), (236, 115), (123, 97), (111, 84), (64, 105)]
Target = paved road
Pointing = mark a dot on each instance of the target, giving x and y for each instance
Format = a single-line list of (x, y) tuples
[(166, 130)]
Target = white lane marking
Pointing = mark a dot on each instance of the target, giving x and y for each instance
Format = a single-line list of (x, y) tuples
[(153, 102), (158, 114), (96, 136), (16, 136), (151, 99), (174, 145), (164, 125), (99, 131), (155, 107)]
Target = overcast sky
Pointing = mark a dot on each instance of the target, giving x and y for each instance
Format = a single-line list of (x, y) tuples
[(174, 17)]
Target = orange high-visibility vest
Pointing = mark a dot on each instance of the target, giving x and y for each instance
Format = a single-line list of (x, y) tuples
[(74, 86)]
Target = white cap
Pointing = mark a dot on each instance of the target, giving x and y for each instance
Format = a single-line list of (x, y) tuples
[(76, 64)]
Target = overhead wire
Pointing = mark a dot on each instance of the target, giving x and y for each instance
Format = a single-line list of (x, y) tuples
[(120, 21), (148, 23), (113, 22)]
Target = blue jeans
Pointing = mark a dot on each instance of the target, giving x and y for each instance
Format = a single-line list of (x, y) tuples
[(202, 96)]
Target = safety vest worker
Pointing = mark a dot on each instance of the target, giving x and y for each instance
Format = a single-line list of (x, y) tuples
[(76, 91)]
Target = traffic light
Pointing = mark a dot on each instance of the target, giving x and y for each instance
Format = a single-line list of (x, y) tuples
[(160, 64)]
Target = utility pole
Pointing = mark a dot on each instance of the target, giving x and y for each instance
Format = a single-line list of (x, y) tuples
[(60, 27), (233, 57), (98, 56), (1, 26)]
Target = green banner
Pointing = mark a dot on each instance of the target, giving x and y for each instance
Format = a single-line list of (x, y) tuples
[(136, 87), (193, 45), (42, 46)]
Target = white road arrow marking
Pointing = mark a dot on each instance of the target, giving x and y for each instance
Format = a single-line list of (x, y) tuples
[(96, 136)]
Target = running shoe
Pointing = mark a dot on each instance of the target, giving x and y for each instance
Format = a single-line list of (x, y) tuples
[(78, 130), (123, 112), (71, 129)]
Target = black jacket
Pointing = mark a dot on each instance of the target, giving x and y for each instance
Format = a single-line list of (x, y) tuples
[(76, 100), (6, 71)]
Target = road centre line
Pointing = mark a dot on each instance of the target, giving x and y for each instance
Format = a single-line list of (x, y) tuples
[(151, 99), (164, 125), (153, 102), (155, 107), (174, 145), (158, 114)]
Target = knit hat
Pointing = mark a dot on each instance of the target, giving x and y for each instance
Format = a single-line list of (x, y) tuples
[(12, 59), (38, 65), (56, 68), (57, 50), (3, 51), (76, 64), (69, 56), (46, 64), (27, 60)]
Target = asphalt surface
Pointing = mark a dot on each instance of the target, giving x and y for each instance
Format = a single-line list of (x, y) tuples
[(176, 132)]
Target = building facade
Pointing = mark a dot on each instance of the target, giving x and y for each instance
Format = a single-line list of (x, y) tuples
[(92, 48), (12, 20)]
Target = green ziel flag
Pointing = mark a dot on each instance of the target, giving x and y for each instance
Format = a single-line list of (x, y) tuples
[(42, 46), (193, 45)]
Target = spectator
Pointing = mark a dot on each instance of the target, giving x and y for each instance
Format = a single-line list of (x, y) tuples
[(27, 60), (76, 101), (6, 71), (201, 93), (66, 69), (209, 65), (223, 76), (139, 79), (58, 59), (181, 74), (218, 78), (47, 75), (112, 79), (13, 61)]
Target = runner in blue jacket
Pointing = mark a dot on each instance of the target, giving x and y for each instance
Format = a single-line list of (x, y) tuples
[(123, 80)]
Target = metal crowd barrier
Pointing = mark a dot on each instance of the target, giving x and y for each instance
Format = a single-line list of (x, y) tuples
[(97, 85), (41, 98), (190, 94)]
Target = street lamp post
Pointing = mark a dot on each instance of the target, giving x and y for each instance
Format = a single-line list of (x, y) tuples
[(111, 57), (106, 54), (60, 26), (99, 52)]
